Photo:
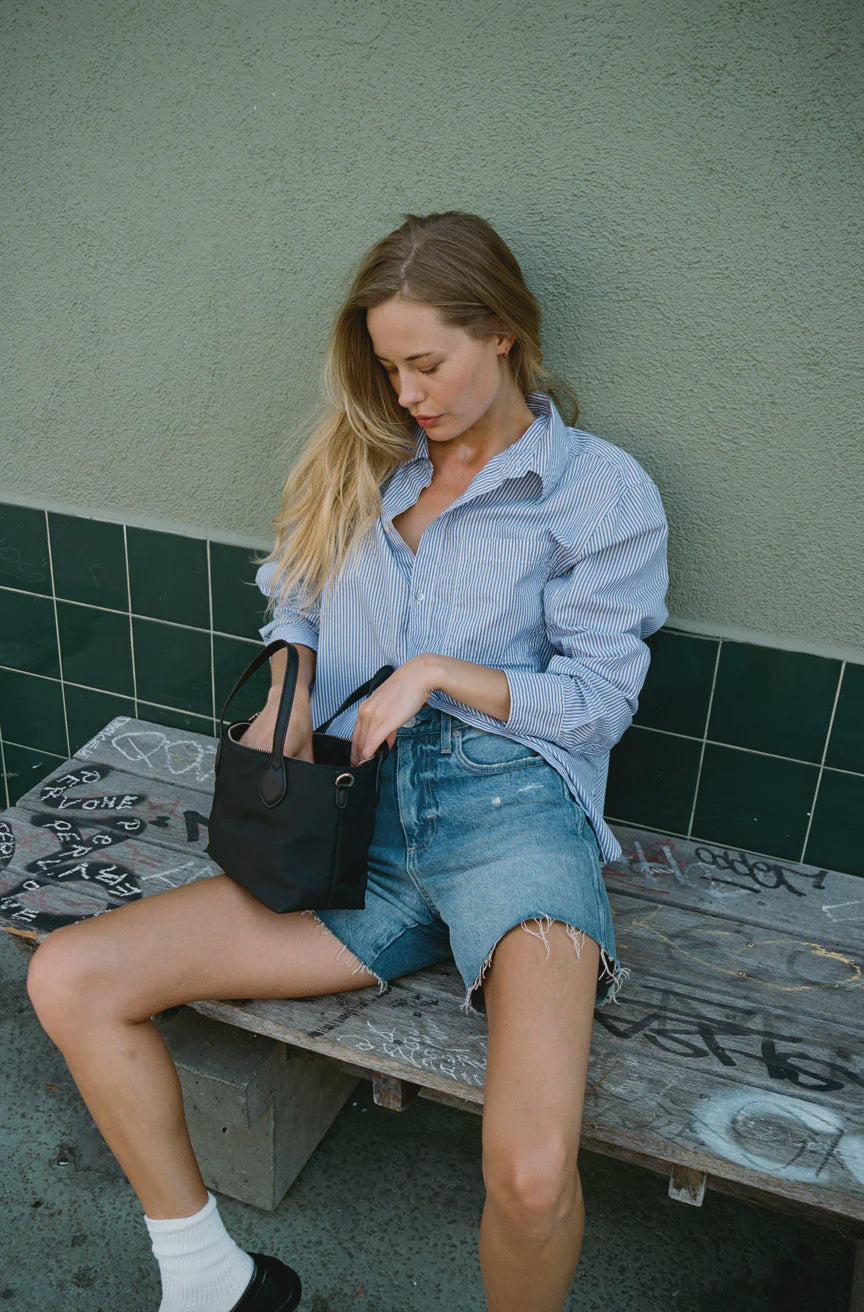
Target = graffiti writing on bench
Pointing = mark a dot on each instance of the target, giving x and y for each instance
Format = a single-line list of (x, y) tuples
[(81, 855), (193, 820), (152, 751), (71, 862), (40, 903), (728, 872), (7, 843), (78, 878), (36, 900), (56, 793), (676, 1026)]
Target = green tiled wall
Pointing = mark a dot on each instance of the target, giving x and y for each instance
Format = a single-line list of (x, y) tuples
[(100, 619), (746, 746)]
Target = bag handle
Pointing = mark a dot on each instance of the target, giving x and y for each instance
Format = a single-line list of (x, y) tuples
[(274, 779)]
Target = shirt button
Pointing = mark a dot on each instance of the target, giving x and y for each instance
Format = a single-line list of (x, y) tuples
[(420, 596)]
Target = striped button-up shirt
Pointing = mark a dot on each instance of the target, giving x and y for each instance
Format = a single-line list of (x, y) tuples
[(550, 566)]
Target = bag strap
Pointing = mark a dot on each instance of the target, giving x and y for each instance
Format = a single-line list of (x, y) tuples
[(274, 780), (363, 691), (255, 664)]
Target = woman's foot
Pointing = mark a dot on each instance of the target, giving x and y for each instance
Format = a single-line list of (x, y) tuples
[(274, 1287)]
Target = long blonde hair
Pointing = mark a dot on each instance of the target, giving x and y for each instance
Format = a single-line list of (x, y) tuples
[(455, 262)]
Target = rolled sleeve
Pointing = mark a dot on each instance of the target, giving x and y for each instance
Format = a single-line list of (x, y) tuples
[(287, 622), (598, 613)]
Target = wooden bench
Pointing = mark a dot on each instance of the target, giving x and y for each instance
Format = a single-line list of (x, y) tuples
[(732, 1060)]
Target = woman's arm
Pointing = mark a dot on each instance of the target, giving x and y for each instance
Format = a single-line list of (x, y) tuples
[(598, 613), (301, 631), (279, 664), (485, 689), (298, 737)]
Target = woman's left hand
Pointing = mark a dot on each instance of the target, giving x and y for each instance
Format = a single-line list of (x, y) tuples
[(394, 701)]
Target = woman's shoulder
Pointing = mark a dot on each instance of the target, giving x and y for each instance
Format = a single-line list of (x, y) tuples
[(602, 463), (600, 482)]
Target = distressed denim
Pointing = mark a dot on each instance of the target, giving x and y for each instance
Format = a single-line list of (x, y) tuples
[(475, 834)]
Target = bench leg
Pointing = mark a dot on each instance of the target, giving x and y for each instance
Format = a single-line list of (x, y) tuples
[(856, 1302), (256, 1110), (391, 1092), (687, 1185)]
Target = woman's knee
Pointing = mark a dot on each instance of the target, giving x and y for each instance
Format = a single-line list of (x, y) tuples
[(532, 1179), (68, 979)]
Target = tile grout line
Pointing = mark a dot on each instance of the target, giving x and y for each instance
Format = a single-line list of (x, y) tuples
[(57, 632), (704, 741), (212, 660), (709, 842), (638, 824), (5, 777), (112, 610), (176, 710), (131, 630), (25, 747), (28, 747), (106, 692), (815, 797), (718, 742)]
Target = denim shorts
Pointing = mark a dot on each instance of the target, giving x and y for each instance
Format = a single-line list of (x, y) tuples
[(474, 834)]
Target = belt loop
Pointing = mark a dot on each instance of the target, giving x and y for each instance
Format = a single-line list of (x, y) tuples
[(446, 722)]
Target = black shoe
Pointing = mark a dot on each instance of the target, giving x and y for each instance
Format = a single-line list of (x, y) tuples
[(274, 1287)]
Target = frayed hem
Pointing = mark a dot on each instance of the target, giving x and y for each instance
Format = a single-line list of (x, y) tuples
[(543, 923), (618, 973), (383, 986)]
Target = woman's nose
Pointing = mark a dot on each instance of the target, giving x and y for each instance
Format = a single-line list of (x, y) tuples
[(410, 393)]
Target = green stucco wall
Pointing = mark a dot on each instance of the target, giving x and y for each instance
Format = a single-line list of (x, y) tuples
[(186, 186)]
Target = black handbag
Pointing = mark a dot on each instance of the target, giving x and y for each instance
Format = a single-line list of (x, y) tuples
[(295, 833)]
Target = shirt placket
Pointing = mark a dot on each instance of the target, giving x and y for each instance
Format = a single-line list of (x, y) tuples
[(412, 627), (420, 626)]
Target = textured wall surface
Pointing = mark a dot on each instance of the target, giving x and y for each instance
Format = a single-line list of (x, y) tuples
[(186, 186)]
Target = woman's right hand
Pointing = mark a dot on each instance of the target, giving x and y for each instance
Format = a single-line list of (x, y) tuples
[(298, 737)]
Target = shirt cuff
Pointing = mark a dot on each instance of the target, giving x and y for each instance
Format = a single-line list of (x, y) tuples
[(536, 704), (292, 631)]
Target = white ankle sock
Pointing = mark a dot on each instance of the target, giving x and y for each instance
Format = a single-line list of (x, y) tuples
[(202, 1268)]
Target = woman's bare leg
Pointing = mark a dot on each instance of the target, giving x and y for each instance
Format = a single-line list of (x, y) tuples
[(540, 1016), (96, 984)]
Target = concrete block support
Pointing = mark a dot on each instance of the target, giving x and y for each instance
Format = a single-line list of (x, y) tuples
[(256, 1109)]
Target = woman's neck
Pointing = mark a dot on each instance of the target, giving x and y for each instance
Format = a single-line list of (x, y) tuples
[(499, 428)]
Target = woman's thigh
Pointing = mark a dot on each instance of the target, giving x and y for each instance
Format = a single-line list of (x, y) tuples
[(540, 1015), (207, 939)]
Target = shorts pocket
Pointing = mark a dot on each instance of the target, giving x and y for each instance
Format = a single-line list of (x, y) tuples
[(491, 753)]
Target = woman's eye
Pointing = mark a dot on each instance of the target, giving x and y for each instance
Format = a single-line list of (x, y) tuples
[(389, 370)]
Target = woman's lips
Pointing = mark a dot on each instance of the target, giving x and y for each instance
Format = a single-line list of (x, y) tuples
[(428, 419)]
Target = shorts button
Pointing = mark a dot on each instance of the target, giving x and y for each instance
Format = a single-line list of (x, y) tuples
[(409, 724)]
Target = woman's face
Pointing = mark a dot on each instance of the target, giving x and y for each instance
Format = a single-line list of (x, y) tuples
[(438, 372)]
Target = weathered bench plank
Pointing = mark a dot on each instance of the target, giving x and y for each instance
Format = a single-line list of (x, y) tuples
[(154, 752), (716, 880), (170, 814), (737, 961), (732, 1054), (636, 1099)]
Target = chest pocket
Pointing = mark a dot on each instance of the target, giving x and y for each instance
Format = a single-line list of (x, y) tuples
[(496, 590)]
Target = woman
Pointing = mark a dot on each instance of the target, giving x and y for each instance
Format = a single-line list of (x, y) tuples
[(443, 519)]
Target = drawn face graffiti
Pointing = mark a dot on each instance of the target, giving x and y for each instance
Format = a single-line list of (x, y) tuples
[(781, 1135)]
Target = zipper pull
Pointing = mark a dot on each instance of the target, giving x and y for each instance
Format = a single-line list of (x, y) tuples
[(343, 783)]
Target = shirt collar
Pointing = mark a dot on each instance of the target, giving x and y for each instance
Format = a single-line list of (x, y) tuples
[(542, 448)]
